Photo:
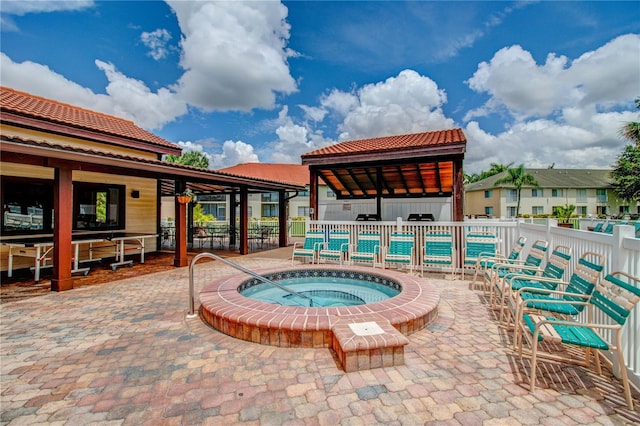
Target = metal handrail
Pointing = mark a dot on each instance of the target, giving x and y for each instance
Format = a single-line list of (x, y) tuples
[(192, 302)]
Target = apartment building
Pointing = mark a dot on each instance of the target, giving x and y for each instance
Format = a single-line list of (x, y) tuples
[(590, 190)]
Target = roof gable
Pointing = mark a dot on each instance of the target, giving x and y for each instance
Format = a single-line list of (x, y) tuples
[(18, 107)]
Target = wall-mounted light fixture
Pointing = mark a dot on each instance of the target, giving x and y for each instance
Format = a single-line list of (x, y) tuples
[(135, 194)]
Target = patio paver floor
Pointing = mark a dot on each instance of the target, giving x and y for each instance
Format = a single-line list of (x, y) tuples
[(123, 353)]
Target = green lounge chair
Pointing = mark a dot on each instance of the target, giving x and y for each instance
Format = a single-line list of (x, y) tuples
[(613, 299), (367, 249), (553, 270), (336, 248), (478, 245), (567, 300), (438, 251), (400, 251), (309, 249)]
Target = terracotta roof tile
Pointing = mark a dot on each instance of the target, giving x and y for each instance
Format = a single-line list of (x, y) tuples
[(289, 173), (25, 104), (392, 143)]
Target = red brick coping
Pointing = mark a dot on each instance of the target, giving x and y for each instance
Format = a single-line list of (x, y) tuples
[(226, 310)]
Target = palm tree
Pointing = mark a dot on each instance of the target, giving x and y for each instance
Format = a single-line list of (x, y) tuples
[(631, 130), (518, 177)]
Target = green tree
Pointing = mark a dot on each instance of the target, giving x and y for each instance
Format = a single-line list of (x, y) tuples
[(189, 158), (495, 168), (518, 177), (631, 130), (626, 178), (626, 174)]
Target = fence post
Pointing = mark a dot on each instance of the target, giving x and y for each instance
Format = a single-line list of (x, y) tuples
[(619, 256), (398, 224)]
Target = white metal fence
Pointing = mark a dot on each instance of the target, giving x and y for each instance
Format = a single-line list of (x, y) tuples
[(620, 249)]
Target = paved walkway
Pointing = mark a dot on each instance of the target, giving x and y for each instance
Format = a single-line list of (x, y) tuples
[(123, 353)]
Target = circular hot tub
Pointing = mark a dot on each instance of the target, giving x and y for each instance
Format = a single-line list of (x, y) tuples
[(227, 310)]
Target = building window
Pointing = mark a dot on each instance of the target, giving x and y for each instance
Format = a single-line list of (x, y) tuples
[(511, 212), (269, 210), (217, 210), (623, 209), (537, 193), (304, 193), (537, 210), (512, 195), (97, 206), (303, 211), (581, 210), (555, 193), (601, 210), (601, 196), (488, 193), (581, 195), (271, 197), (488, 211), (331, 194), (27, 206)]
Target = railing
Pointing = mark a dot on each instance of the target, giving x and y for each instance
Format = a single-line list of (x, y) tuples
[(621, 250), (192, 303)]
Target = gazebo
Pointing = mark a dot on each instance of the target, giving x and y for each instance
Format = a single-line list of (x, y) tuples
[(425, 165)]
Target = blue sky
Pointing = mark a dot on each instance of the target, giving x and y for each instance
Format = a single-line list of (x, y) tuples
[(538, 83)]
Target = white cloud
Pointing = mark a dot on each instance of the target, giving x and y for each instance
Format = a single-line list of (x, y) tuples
[(566, 113), (156, 41), (233, 153), (22, 7), (525, 89), (407, 103), (133, 98), (127, 98), (234, 54)]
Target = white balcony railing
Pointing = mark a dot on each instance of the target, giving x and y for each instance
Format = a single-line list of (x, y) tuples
[(621, 250)]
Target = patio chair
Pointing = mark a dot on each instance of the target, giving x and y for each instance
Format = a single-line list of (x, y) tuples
[(366, 249), (567, 300), (336, 248), (400, 250), (554, 269), (438, 251), (529, 266), (484, 263), (607, 311), (309, 249), (598, 227), (609, 228), (478, 244)]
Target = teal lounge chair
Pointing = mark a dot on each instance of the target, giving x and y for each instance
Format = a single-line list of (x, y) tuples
[(336, 248), (478, 245), (567, 300), (438, 251), (309, 249), (366, 249), (554, 270), (529, 266), (607, 311), (400, 250), (484, 263)]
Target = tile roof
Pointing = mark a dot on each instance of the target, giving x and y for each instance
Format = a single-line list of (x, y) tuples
[(29, 105), (392, 143), (291, 173), (159, 167), (553, 178)]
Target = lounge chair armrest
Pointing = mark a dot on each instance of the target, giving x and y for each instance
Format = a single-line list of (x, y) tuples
[(579, 324), (512, 277)]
